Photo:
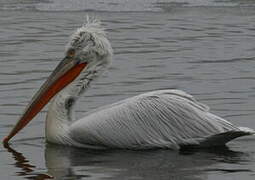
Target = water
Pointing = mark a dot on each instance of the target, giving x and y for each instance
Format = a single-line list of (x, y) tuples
[(205, 48)]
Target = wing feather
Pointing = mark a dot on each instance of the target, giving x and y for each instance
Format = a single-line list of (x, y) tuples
[(165, 118)]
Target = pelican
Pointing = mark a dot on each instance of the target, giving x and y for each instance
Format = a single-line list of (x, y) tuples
[(159, 119)]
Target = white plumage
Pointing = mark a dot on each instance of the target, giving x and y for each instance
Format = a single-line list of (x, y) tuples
[(158, 119), (166, 119)]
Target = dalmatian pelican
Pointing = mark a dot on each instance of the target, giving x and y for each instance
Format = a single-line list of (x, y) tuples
[(159, 119)]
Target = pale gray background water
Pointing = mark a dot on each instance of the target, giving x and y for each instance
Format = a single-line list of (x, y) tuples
[(204, 47)]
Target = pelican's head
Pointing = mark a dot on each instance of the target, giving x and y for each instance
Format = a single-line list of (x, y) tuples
[(89, 45), (88, 52)]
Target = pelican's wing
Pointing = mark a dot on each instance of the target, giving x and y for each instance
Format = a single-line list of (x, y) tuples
[(166, 118)]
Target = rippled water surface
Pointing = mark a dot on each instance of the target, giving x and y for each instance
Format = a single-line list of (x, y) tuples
[(206, 48)]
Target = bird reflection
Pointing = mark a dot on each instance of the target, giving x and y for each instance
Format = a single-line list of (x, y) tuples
[(72, 163), (28, 171)]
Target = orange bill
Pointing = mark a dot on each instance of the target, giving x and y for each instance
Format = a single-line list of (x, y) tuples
[(63, 75)]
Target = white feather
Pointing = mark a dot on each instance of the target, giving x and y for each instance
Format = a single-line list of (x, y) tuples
[(165, 118)]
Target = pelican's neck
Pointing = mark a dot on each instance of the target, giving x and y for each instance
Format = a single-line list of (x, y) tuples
[(60, 116), (61, 112)]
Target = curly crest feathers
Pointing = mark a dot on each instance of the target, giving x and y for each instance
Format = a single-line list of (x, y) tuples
[(91, 36)]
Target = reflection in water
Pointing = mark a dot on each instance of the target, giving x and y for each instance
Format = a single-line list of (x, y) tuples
[(72, 163), (27, 170)]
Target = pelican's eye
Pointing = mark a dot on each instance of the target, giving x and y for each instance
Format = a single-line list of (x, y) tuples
[(71, 53)]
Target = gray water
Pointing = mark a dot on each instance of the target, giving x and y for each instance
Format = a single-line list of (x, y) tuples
[(204, 47)]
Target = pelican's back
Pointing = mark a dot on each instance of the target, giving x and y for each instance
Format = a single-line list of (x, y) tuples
[(165, 118)]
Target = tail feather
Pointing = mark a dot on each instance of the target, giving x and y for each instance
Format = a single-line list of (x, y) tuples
[(223, 138), (219, 139), (247, 130)]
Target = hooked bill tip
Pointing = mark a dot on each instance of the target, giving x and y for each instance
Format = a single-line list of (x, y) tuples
[(6, 140)]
